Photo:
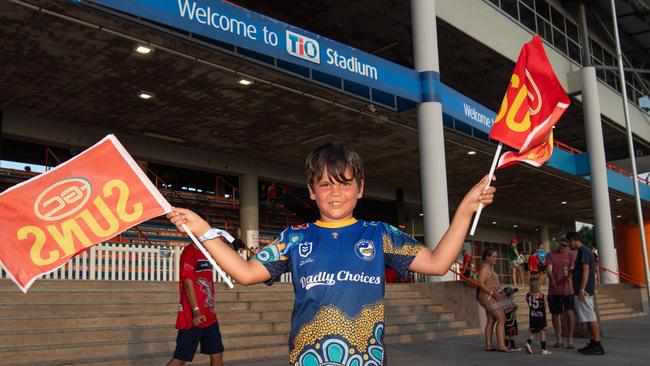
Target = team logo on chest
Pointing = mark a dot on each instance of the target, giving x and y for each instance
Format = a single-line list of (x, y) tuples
[(365, 249), (304, 249)]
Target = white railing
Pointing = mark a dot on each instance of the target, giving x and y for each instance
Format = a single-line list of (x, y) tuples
[(126, 262), (120, 262)]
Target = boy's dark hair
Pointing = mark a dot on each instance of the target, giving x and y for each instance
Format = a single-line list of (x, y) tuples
[(335, 157), (572, 235)]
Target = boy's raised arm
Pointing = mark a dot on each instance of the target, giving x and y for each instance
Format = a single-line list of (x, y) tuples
[(245, 273), (438, 261)]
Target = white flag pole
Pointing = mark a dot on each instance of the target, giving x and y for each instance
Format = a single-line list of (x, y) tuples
[(207, 255), (480, 206)]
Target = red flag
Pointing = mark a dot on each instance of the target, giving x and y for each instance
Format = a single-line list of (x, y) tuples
[(535, 156), (533, 103), (54, 216)]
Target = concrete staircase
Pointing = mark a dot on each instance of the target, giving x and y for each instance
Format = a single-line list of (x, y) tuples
[(108, 323)]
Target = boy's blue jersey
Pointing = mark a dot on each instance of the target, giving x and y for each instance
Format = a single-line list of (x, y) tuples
[(338, 279)]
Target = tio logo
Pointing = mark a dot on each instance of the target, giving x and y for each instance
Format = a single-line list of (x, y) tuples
[(62, 199), (303, 47)]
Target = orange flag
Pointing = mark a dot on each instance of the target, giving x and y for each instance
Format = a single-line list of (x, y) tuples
[(534, 102), (535, 156), (54, 216)]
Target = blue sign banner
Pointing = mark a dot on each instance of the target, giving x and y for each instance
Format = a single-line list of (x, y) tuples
[(226, 22), (466, 110)]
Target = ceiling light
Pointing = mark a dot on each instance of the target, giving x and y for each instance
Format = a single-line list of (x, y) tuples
[(494, 222), (160, 136), (515, 225), (245, 82), (421, 214), (142, 49), (619, 199), (146, 95), (564, 202), (471, 152), (226, 195), (619, 216)]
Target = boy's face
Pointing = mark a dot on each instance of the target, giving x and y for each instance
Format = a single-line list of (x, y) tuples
[(336, 201)]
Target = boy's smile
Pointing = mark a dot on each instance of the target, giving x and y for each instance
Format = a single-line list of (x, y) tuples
[(336, 200)]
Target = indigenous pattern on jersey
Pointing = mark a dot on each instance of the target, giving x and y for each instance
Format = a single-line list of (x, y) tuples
[(338, 279)]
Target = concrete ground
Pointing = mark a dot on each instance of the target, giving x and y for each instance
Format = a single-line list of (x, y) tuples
[(626, 342)]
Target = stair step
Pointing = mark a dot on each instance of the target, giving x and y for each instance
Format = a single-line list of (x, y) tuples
[(624, 315), (429, 335)]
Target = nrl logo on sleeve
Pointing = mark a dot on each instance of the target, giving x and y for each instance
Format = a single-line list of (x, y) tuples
[(365, 249), (304, 249)]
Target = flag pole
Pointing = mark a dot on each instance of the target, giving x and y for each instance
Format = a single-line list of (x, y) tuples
[(630, 146), (480, 206), (208, 256)]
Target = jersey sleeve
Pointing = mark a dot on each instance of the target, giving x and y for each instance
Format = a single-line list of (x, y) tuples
[(275, 258), (399, 250), (188, 265)]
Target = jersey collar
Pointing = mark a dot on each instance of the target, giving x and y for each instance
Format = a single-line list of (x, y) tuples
[(336, 225)]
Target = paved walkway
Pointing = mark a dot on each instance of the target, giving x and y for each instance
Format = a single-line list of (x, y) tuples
[(626, 342)]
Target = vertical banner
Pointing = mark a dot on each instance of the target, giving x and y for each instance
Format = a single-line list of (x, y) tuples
[(91, 198)]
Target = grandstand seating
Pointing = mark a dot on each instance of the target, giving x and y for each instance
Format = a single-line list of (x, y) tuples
[(220, 211)]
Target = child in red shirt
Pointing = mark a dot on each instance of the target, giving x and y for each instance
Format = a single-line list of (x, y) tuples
[(196, 320)]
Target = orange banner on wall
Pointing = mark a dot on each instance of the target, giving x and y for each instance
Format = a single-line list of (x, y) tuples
[(49, 219)]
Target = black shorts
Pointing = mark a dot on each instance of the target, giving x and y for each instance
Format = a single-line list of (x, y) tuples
[(188, 339), (557, 304)]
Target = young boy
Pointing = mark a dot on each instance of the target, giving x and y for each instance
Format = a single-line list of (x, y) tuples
[(337, 263), (511, 327), (537, 316), (196, 320)]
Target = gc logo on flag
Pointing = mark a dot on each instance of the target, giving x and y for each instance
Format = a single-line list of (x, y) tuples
[(303, 47)]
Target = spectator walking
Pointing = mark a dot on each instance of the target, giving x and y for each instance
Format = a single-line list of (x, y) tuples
[(516, 260), (560, 292), (197, 318), (533, 264), (272, 195), (584, 288), (542, 260), (467, 264), (537, 316)]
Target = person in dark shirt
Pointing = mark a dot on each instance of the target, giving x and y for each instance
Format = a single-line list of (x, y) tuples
[(584, 289)]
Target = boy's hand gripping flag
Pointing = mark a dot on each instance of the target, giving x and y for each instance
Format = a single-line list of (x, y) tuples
[(533, 103)]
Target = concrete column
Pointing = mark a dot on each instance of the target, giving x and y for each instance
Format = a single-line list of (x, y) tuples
[(598, 177), (596, 148), (249, 209), (431, 134), (545, 238)]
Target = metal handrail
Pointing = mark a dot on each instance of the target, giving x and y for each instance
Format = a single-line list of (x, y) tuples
[(471, 281), (625, 276)]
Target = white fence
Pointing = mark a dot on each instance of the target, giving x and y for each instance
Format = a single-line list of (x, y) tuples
[(124, 262)]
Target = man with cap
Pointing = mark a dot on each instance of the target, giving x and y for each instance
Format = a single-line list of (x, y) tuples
[(560, 264), (515, 262)]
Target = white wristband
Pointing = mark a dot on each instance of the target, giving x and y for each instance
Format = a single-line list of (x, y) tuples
[(214, 233)]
